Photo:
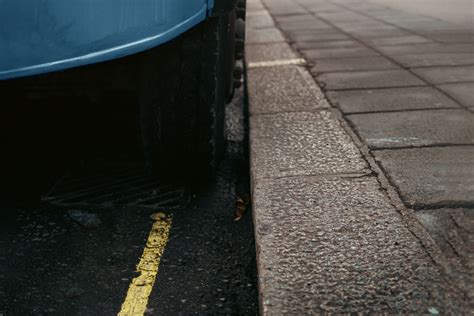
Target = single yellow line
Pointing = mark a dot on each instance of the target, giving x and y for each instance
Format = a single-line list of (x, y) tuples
[(140, 288)]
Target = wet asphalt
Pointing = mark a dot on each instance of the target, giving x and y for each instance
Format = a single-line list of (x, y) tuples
[(75, 251)]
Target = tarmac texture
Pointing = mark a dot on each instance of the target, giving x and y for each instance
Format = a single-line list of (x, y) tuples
[(77, 252), (363, 194)]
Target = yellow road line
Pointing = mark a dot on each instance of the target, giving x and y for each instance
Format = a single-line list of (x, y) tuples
[(140, 288)]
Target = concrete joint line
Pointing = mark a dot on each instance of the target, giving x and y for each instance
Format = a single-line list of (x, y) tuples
[(275, 63), (318, 176), (407, 214), (401, 110), (317, 110), (439, 145)]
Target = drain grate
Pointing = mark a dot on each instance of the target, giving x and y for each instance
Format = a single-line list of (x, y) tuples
[(115, 185)]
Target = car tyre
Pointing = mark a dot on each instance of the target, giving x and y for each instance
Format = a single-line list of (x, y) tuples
[(182, 99)]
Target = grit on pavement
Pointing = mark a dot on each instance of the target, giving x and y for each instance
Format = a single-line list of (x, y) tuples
[(362, 155)]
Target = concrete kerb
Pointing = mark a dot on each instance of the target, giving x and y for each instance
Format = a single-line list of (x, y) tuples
[(287, 140)]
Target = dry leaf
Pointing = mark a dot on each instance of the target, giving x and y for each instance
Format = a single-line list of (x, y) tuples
[(158, 216), (240, 207)]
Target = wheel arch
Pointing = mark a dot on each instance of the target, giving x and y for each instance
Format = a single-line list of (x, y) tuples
[(51, 35)]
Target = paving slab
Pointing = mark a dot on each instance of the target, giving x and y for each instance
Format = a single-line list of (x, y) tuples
[(267, 35), (259, 21), (369, 79), (302, 18), (319, 7), (257, 13), (453, 13), (269, 52), (302, 26), (301, 143), (306, 45), (338, 52), (452, 37), (330, 35), (393, 99), (440, 59), (255, 6), (399, 40), (312, 32), (284, 8), (415, 128), (343, 16), (453, 231), (438, 75), (365, 24), (430, 26), (462, 92), (431, 177), (426, 49), (352, 64), (283, 89), (332, 245), (288, 9), (368, 25), (378, 33)]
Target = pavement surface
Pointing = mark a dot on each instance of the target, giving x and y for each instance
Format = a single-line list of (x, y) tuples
[(362, 155), (77, 251), (455, 11)]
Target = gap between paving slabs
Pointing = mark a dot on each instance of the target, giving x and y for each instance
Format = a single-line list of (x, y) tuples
[(322, 229)]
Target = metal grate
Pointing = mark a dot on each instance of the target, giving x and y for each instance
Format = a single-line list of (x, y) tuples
[(115, 185)]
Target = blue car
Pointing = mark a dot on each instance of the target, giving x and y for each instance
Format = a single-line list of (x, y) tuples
[(177, 57)]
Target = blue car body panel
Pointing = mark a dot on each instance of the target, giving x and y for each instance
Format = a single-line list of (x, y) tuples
[(42, 36)]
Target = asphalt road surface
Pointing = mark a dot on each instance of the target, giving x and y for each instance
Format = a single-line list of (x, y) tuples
[(76, 251)]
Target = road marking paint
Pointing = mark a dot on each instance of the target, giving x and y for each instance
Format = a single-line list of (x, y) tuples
[(140, 288), (280, 62)]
